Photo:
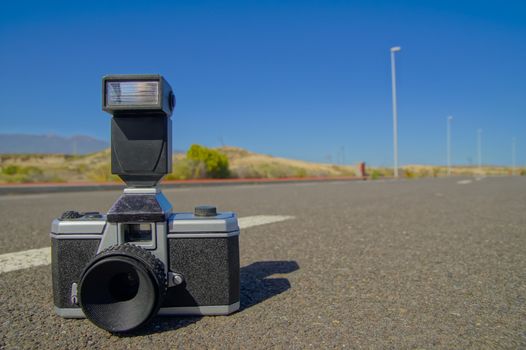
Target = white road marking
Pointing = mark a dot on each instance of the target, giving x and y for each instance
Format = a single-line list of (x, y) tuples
[(258, 220), (40, 257), (464, 182), (25, 259)]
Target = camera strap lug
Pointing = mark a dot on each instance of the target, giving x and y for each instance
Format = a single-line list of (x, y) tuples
[(174, 279), (74, 299)]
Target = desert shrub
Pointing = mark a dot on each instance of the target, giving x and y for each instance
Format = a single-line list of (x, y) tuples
[(389, 172), (300, 172), (343, 170), (436, 171), (47, 178), (185, 169), (29, 171), (11, 170), (272, 170), (245, 172), (376, 174), (215, 163), (523, 172), (11, 178), (25, 174), (268, 170), (409, 173), (102, 173), (81, 168), (423, 173), (69, 157)]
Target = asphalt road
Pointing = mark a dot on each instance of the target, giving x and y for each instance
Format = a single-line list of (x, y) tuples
[(396, 264)]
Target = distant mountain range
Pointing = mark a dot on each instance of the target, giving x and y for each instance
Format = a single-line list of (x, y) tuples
[(23, 143)]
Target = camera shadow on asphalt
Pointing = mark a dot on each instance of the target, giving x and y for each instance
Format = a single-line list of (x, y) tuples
[(256, 287)]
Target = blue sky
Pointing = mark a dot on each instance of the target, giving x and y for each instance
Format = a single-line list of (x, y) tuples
[(299, 79)]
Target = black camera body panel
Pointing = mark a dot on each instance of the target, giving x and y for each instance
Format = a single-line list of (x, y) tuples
[(208, 262), (213, 264)]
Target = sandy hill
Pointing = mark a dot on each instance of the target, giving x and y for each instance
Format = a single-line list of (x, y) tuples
[(22, 168), (17, 168)]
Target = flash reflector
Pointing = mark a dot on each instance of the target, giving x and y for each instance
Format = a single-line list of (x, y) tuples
[(132, 93)]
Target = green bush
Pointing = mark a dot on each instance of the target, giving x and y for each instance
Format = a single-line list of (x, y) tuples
[(376, 174), (11, 170), (215, 164), (21, 170), (25, 174)]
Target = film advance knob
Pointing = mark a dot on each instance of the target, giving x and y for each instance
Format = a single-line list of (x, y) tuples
[(205, 210), (70, 214)]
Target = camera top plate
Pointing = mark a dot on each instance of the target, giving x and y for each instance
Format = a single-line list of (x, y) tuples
[(189, 223)]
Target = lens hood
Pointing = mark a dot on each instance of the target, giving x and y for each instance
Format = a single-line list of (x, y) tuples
[(122, 288)]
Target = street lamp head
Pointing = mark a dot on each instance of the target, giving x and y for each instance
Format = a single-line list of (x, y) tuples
[(450, 117), (396, 49)]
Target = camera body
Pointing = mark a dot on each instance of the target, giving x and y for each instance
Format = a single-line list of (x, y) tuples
[(122, 268), (200, 255)]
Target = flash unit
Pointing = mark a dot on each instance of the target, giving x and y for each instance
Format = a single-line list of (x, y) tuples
[(141, 127), (131, 93)]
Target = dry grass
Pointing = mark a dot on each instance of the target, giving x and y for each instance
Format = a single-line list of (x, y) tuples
[(243, 164), (418, 171), (56, 168)]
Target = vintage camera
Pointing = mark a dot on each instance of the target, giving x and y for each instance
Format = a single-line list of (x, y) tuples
[(121, 269)]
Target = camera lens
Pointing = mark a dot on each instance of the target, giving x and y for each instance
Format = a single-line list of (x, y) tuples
[(122, 288)]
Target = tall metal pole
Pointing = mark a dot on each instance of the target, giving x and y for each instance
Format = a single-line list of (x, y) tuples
[(395, 112), (513, 155), (479, 147), (449, 120)]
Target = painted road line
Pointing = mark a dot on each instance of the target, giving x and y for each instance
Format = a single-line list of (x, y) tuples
[(258, 220), (25, 259), (464, 182), (42, 256)]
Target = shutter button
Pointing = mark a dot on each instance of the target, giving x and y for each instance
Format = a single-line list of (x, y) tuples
[(205, 210)]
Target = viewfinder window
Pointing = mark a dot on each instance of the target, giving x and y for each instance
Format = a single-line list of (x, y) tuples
[(137, 233)]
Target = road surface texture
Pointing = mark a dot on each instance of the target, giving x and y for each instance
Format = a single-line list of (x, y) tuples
[(437, 263)]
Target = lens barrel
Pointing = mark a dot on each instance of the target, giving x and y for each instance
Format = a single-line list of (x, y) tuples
[(122, 288)]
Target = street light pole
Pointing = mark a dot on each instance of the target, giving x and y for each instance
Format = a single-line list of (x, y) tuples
[(513, 155), (479, 147), (395, 113), (449, 120)]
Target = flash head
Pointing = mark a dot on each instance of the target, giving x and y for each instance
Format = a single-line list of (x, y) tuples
[(141, 127), (137, 94)]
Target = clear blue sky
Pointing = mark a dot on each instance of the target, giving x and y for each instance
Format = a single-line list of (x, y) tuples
[(298, 79)]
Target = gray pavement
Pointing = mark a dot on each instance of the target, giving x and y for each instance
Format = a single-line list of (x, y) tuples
[(394, 264)]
